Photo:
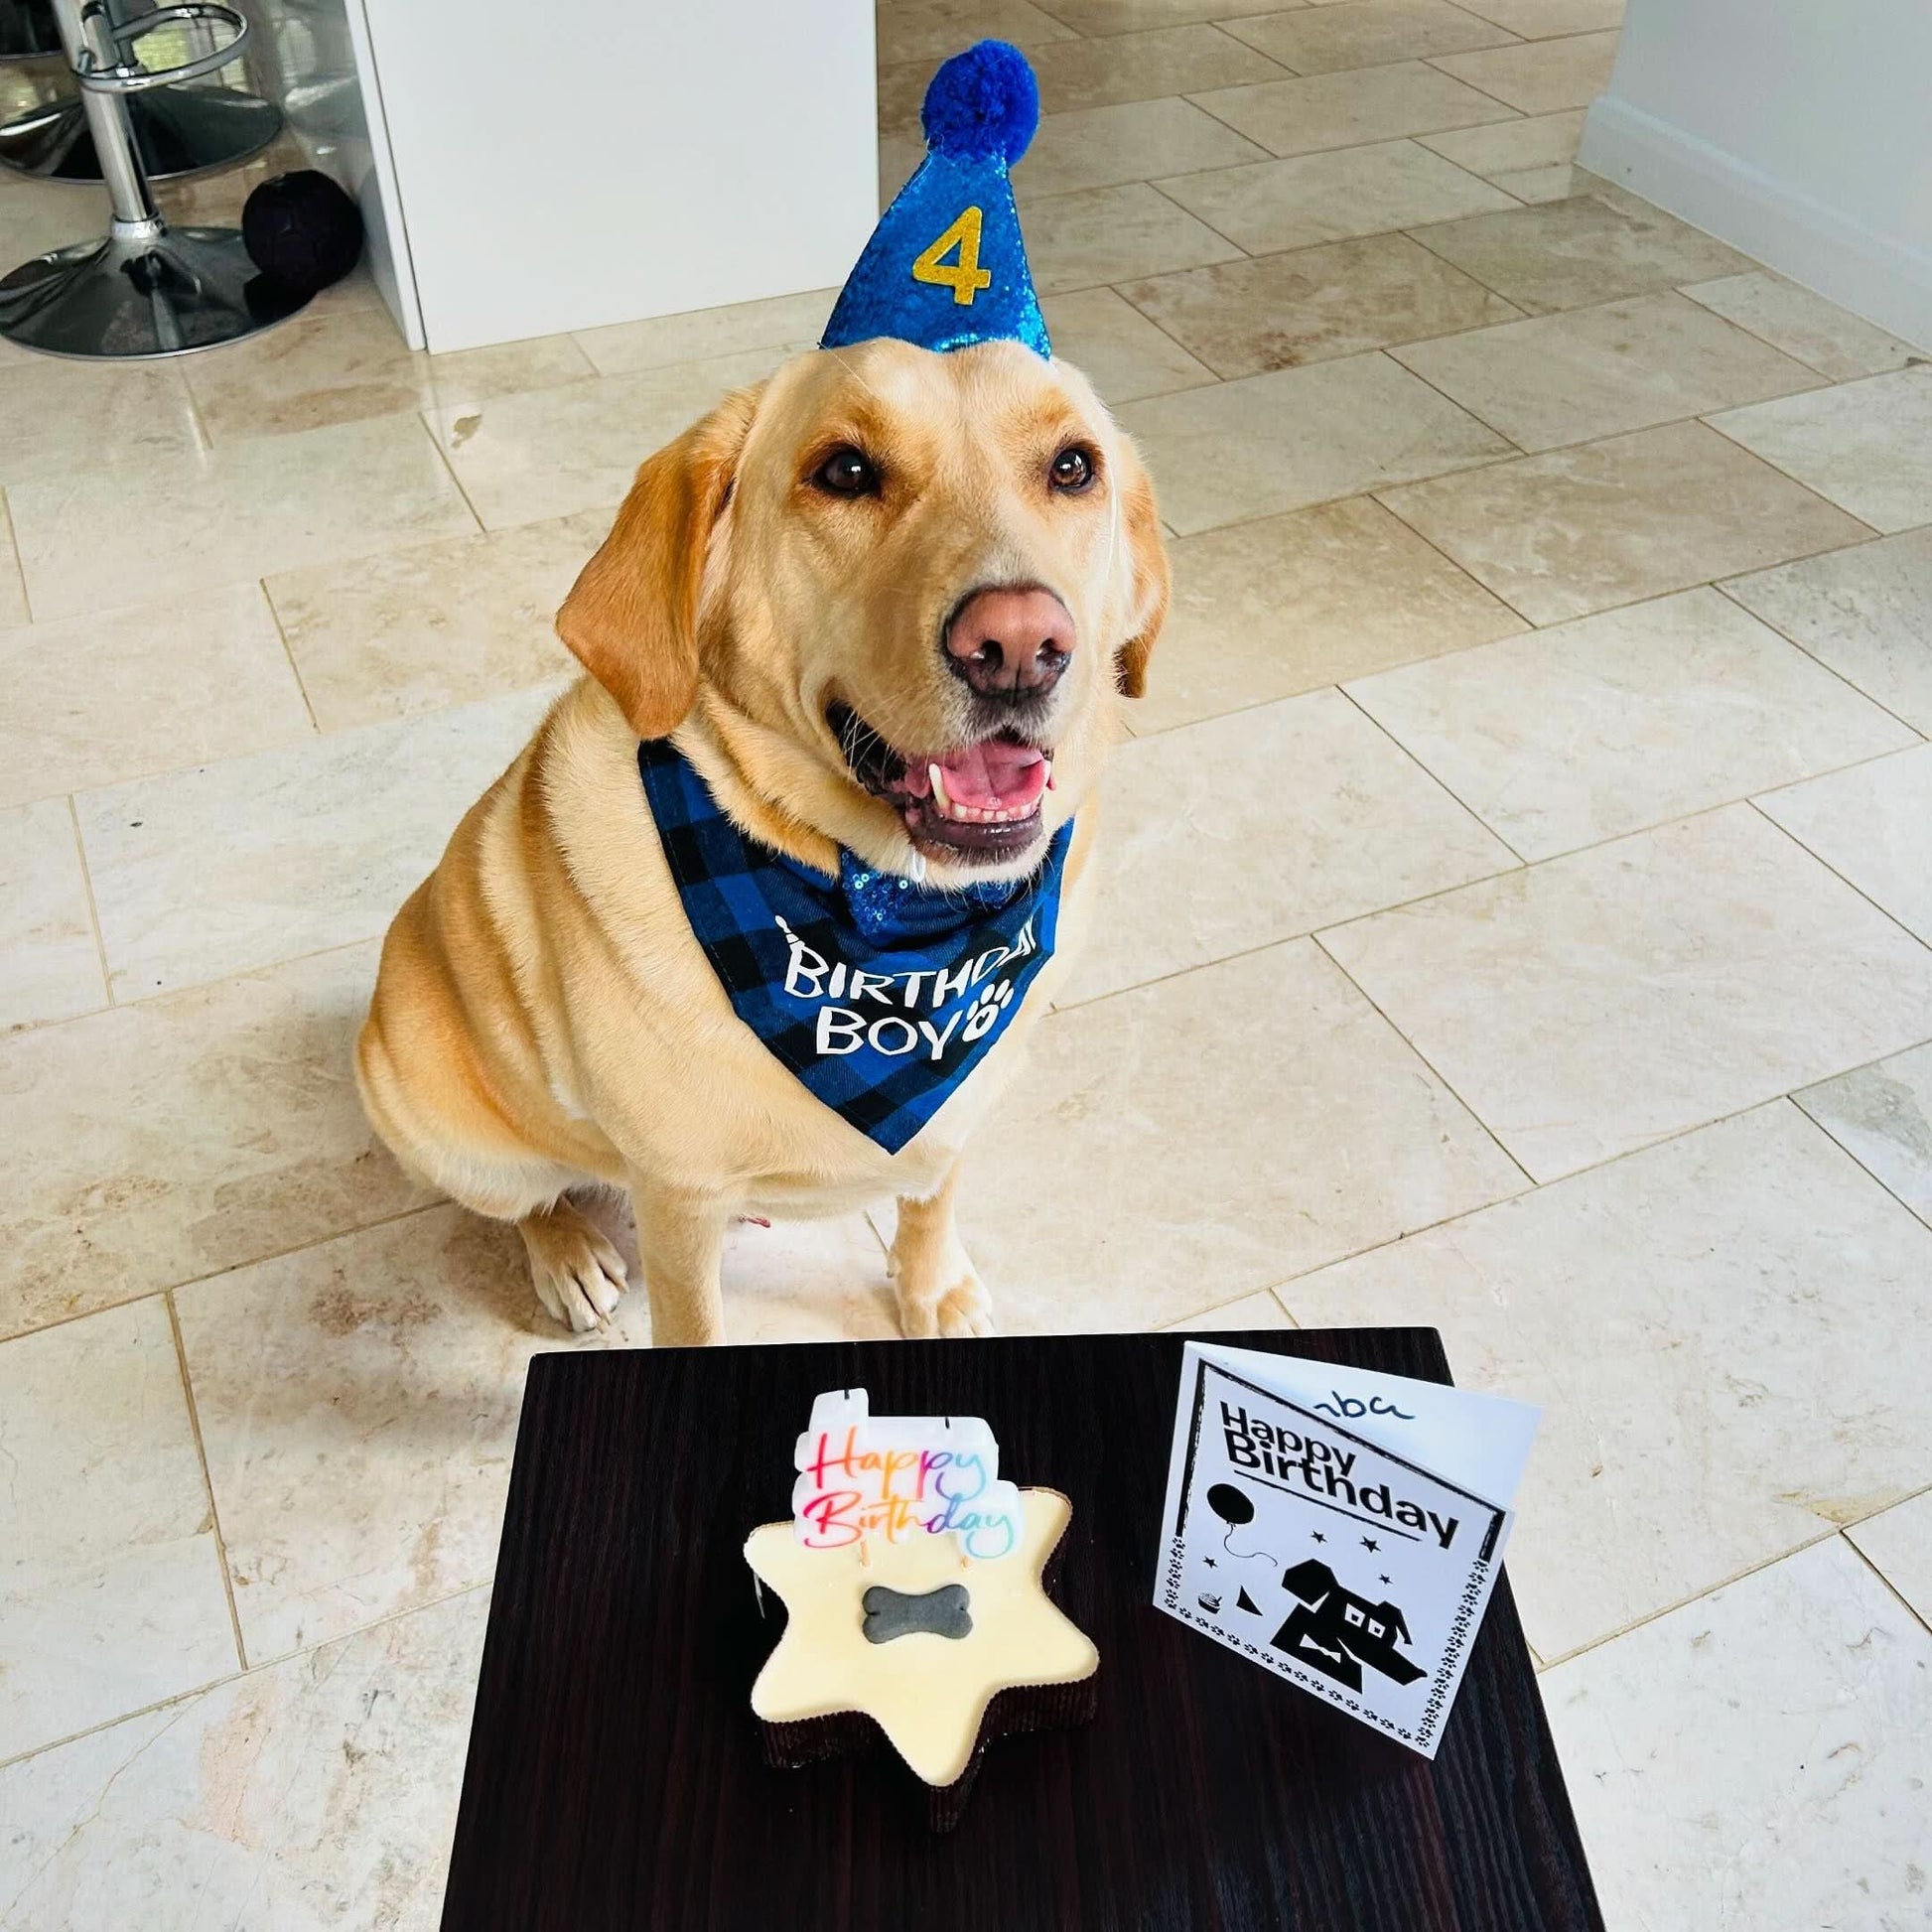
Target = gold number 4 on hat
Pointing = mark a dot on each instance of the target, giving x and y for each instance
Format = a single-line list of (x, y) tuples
[(965, 277)]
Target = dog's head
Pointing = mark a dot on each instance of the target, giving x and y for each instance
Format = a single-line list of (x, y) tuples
[(903, 584)]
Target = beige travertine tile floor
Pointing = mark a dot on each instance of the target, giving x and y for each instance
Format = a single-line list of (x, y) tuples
[(1522, 924)]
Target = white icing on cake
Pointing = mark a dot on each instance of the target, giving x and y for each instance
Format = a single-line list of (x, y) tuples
[(928, 1693)]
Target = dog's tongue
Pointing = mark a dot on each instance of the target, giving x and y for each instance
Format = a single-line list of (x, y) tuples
[(995, 776)]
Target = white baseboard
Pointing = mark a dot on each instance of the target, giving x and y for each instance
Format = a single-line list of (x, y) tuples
[(1784, 227)]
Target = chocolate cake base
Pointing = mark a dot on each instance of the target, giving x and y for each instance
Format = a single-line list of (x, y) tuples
[(1019, 1708)]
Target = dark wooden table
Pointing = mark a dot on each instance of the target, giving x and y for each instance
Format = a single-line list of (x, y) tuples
[(615, 1776)]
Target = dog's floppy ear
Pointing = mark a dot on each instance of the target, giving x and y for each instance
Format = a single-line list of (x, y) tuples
[(631, 616), (1152, 576)]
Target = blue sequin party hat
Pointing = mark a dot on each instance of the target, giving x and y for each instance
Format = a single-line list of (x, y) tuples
[(946, 266)]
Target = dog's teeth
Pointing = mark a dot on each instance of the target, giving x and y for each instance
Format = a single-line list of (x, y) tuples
[(1050, 774), (937, 779)]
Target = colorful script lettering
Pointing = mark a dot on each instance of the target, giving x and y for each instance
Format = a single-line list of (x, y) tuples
[(896, 1477)]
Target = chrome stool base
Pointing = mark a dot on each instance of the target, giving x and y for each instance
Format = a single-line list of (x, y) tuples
[(162, 294), (178, 131)]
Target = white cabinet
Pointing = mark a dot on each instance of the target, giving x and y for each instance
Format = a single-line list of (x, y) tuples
[(530, 169)]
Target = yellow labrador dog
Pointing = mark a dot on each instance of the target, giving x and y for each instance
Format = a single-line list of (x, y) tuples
[(883, 601)]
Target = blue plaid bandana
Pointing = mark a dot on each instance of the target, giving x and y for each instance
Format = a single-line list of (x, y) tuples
[(880, 995)]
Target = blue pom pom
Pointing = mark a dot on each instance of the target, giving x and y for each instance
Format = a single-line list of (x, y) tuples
[(983, 104)]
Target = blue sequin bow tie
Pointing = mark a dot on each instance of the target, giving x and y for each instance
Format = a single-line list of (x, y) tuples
[(879, 994)]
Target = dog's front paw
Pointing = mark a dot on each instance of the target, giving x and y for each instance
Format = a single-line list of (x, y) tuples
[(953, 1302), (577, 1274)]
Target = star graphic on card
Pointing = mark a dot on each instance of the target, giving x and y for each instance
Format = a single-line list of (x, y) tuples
[(928, 1688), (1369, 1543)]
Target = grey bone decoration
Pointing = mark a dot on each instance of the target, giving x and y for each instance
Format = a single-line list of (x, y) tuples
[(945, 1612)]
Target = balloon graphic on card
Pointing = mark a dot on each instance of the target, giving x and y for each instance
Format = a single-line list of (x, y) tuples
[(1235, 1508), (1231, 1505)]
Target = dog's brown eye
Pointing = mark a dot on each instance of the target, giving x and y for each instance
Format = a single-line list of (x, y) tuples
[(847, 473), (1072, 469)]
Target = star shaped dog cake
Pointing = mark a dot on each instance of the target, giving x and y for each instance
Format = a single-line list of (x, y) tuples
[(914, 1582)]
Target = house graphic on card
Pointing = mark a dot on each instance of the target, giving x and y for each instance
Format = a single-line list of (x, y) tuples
[(1335, 1632)]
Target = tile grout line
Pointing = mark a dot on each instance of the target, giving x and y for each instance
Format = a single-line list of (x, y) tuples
[(449, 470), (1442, 892), (1316, 362), (181, 1698), (1154, 322), (1828, 379), (1390, 348), (1600, 435), (1838, 1530), (1456, 564), (1722, 586), (208, 1477), (1771, 464), (1435, 778), (1517, 449), (186, 1697), (13, 550), (1624, 604), (282, 1657), (1911, 1610), (1222, 29), (1629, 831), (1530, 1180), (1155, 187), (233, 1268), (1380, 494), (195, 985), (288, 651), (1065, 27), (1197, 98), (1789, 1097), (1157, 183), (1285, 938), (1716, 804), (93, 922), (1687, 1602), (1851, 1153), (1818, 858), (1522, 114)]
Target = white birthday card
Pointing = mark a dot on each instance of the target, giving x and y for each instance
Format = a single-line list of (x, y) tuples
[(1340, 1528)]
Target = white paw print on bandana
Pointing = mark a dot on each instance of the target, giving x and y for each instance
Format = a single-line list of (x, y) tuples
[(987, 1003)]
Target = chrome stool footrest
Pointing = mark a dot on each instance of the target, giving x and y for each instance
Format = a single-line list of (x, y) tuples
[(147, 290), (182, 131)]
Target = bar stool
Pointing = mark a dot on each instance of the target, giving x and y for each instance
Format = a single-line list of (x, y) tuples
[(26, 30), (177, 131), (147, 289)]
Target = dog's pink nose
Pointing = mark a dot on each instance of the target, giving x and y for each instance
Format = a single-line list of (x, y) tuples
[(1010, 643)]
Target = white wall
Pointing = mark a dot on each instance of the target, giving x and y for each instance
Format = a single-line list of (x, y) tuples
[(1799, 131), (559, 168)]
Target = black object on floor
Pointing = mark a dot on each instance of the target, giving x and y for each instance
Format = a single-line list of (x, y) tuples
[(303, 230), (615, 1778)]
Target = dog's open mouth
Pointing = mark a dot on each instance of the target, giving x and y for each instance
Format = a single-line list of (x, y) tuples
[(980, 801)]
